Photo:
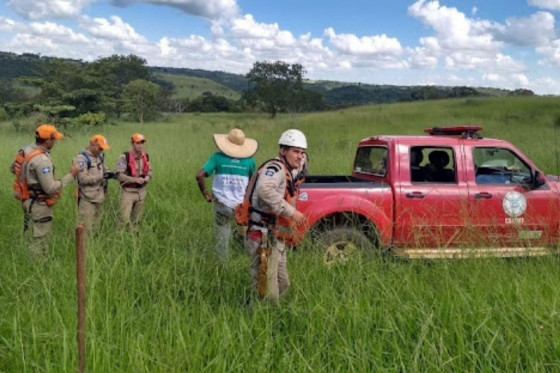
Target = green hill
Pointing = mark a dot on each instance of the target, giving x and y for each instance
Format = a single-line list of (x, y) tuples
[(191, 87), (192, 83)]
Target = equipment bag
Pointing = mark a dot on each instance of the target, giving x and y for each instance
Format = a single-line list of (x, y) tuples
[(20, 187)]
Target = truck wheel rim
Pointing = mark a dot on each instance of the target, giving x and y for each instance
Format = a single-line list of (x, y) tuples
[(339, 252)]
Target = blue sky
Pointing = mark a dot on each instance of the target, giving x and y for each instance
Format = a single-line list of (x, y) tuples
[(507, 44)]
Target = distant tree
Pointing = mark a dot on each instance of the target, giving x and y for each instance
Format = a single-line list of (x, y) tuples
[(276, 85), (427, 92), (9, 92), (141, 98), (522, 92), (463, 92), (112, 74)]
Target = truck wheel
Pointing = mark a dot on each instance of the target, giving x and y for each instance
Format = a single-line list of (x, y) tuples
[(340, 244)]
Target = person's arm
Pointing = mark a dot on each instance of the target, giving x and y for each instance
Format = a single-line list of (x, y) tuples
[(45, 176), (201, 181), (149, 174)]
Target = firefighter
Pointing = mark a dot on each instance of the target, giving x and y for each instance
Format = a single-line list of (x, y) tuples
[(43, 189), (232, 166), (274, 217), (91, 181), (133, 171)]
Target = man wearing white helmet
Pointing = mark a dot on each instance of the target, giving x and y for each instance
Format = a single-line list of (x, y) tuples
[(274, 217)]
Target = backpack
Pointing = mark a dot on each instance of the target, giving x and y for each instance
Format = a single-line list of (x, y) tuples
[(20, 187), (244, 209), (88, 159)]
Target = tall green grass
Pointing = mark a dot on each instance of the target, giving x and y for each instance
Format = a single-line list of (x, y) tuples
[(157, 301)]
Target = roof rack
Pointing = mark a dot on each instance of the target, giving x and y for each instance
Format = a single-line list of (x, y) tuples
[(465, 132)]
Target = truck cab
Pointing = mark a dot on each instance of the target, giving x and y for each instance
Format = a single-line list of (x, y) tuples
[(450, 192)]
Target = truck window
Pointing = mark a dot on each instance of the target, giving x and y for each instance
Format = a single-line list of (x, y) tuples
[(499, 166), (417, 164), (371, 160), (432, 165)]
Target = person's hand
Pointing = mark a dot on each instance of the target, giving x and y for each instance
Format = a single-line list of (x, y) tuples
[(298, 217), (208, 197), (146, 179), (74, 170), (140, 181)]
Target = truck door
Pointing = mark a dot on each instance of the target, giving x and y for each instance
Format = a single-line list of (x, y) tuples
[(504, 211), (431, 203)]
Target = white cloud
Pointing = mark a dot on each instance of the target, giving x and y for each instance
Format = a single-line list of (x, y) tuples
[(112, 29), (453, 29), (551, 53), (7, 25), (546, 4), (40, 9), (247, 28), (209, 9), (365, 45), (536, 30)]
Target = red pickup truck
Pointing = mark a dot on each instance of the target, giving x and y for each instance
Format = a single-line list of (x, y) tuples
[(449, 193)]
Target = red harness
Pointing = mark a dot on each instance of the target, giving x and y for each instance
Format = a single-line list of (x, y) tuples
[(131, 168)]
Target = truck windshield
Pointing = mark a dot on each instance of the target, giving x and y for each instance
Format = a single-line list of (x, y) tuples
[(371, 160)]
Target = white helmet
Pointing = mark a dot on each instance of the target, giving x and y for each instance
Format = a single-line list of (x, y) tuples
[(294, 138)]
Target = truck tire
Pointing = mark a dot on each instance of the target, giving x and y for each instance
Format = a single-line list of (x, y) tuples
[(342, 243)]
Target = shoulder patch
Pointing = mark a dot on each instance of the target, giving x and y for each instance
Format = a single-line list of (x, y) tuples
[(122, 164), (81, 163), (270, 172), (46, 170), (274, 166)]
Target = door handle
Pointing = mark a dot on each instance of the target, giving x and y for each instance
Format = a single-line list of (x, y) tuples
[(483, 195), (415, 195)]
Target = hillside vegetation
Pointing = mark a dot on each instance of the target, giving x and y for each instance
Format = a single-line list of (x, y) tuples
[(158, 302), (190, 84), (191, 87)]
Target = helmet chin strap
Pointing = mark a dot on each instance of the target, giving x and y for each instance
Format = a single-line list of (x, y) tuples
[(286, 162)]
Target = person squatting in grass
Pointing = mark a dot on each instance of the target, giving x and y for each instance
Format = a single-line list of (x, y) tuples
[(232, 166), (274, 216), (133, 170), (92, 182), (38, 189)]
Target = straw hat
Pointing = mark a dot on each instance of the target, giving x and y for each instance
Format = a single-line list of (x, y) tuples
[(235, 144)]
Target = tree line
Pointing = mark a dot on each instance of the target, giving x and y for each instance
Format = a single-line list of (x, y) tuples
[(75, 92)]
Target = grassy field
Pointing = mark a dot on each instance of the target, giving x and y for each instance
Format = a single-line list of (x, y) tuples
[(158, 302)]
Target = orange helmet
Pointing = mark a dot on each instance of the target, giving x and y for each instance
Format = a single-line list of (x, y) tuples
[(138, 137)]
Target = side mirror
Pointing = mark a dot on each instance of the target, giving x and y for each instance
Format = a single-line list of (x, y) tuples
[(538, 180)]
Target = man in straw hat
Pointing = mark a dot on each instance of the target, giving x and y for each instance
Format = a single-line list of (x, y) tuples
[(39, 189), (91, 181), (233, 166)]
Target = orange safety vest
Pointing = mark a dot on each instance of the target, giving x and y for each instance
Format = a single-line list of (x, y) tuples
[(131, 168)]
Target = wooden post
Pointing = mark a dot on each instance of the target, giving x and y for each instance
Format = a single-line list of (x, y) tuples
[(81, 285)]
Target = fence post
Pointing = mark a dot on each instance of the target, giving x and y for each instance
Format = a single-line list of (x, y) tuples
[(81, 286)]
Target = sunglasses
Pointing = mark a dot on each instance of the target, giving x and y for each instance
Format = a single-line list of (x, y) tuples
[(140, 142)]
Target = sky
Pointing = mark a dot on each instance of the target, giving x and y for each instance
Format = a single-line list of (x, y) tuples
[(509, 44)]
